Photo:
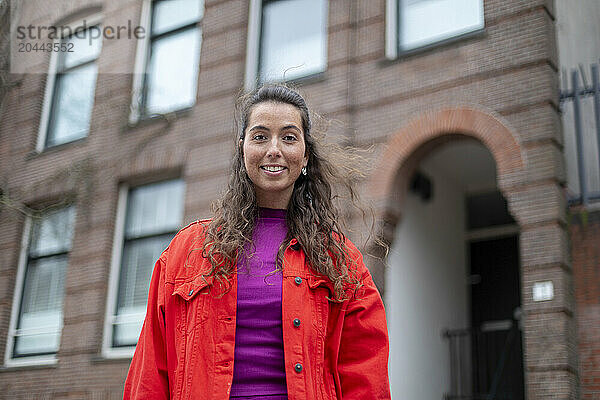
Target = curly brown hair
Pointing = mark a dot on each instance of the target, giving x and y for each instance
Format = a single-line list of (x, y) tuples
[(312, 216)]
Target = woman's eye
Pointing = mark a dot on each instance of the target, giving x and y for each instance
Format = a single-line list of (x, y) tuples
[(289, 137), (258, 137)]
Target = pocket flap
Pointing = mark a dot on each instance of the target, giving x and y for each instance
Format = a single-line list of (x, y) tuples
[(187, 290), (315, 281)]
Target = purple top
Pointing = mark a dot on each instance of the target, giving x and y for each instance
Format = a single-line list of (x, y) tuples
[(259, 368)]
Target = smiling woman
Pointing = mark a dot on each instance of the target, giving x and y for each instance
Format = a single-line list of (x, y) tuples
[(268, 299)]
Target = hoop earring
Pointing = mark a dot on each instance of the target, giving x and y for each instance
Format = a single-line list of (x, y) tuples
[(304, 171)]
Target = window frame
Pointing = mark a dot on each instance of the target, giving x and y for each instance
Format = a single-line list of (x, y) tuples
[(17, 302), (108, 351), (392, 36), (52, 80), (142, 60), (254, 46)]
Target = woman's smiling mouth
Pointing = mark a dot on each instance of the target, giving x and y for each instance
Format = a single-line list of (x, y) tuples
[(272, 169)]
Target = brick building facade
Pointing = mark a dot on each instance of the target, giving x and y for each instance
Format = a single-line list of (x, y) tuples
[(493, 84)]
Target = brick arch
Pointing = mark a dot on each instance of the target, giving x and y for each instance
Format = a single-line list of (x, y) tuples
[(416, 139), (444, 124)]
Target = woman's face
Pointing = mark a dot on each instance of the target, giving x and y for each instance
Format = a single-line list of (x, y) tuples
[(274, 152)]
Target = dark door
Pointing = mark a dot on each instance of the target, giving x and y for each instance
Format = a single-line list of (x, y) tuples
[(495, 301)]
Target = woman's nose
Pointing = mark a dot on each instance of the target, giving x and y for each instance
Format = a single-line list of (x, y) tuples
[(274, 150)]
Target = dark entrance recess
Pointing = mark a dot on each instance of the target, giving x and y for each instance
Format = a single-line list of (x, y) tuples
[(495, 301), (487, 358)]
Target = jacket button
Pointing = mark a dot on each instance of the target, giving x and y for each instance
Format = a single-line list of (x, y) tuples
[(191, 292), (298, 280), (296, 322), (298, 367)]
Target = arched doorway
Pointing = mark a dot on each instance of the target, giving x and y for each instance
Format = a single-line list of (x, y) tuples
[(452, 282), (404, 154)]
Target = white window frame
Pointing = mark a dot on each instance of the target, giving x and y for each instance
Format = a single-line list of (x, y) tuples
[(253, 44), (392, 38), (108, 351), (251, 77), (113, 281), (136, 113), (9, 360), (139, 68), (93, 20), (391, 29)]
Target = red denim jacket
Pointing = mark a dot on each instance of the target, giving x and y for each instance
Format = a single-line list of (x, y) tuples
[(185, 350)]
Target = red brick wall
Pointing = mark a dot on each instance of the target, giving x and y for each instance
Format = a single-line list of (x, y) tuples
[(585, 250)]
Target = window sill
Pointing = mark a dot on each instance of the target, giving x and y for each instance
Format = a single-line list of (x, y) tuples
[(98, 359), (169, 117), (302, 80), (33, 362), (56, 148), (114, 354), (419, 51)]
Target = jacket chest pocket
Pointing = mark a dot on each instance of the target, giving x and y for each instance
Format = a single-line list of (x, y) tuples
[(321, 290), (319, 310), (193, 302)]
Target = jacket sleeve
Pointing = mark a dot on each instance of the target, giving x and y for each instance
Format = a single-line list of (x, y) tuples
[(364, 346), (147, 377)]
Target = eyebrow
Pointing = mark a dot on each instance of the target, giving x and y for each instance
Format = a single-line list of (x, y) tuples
[(291, 127), (264, 128), (258, 127)]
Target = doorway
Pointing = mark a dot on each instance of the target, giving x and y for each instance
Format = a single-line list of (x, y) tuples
[(497, 354), (452, 286)]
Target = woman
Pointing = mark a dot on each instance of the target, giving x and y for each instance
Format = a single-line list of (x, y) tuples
[(271, 282)]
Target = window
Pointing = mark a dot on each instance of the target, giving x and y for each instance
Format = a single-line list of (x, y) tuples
[(418, 23), (37, 311), (149, 217), (291, 41), (70, 88), (170, 58)]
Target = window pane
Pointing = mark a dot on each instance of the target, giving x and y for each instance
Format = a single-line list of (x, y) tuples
[(41, 309), (155, 208), (38, 343), (173, 72), (427, 21), (172, 14), (294, 39), (139, 257), (138, 261), (85, 47), (127, 333), (52, 233), (73, 102), (44, 282)]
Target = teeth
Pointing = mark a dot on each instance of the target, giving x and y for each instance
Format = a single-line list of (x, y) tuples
[(273, 169)]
